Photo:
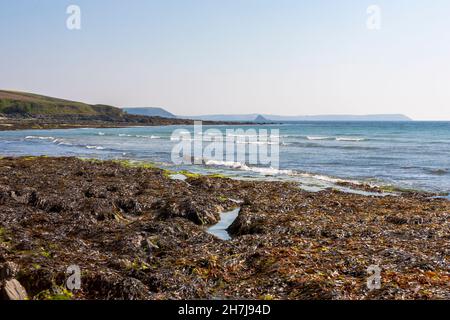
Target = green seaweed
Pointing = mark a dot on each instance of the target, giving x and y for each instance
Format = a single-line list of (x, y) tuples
[(167, 173), (189, 174), (218, 176), (57, 293), (31, 158), (91, 160), (36, 266), (139, 266), (393, 189), (45, 253), (135, 164), (2, 234)]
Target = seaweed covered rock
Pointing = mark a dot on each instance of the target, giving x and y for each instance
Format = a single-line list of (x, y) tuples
[(247, 223), (198, 211), (135, 233), (114, 287)]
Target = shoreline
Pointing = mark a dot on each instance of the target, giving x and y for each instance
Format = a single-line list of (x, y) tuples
[(10, 124), (138, 234)]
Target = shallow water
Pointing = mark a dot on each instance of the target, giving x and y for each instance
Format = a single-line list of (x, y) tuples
[(411, 155), (447, 197), (364, 193), (226, 219), (178, 176)]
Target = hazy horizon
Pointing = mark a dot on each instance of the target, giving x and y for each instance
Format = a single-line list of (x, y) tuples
[(200, 57)]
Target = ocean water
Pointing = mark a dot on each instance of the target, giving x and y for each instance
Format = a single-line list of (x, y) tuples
[(414, 155)]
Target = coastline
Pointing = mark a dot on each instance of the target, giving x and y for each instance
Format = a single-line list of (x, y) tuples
[(11, 124), (138, 234)]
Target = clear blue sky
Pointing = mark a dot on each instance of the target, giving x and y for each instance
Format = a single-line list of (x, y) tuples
[(288, 57)]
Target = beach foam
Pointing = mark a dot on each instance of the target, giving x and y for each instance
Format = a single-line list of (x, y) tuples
[(349, 139), (95, 147), (245, 167), (39, 138), (319, 138)]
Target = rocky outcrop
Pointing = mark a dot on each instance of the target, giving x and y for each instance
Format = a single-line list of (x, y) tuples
[(194, 209), (10, 288), (13, 290)]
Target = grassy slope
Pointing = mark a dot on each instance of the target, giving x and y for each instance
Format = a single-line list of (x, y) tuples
[(33, 104)]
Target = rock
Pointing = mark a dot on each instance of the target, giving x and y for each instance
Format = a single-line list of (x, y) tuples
[(246, 224), (13, 290)]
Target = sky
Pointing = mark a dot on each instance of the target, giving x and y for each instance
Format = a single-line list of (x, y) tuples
[(192, 57)]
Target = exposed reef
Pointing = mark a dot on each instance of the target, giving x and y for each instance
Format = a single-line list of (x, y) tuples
[(136, 233)]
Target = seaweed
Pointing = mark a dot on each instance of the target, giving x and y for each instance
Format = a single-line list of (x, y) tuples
[(136, 234)]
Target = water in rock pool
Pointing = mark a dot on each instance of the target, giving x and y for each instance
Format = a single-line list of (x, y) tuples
[(412, 155), (226, 219)]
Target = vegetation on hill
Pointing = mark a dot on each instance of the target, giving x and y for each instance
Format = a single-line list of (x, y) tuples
[(21, 111), (20, 103)]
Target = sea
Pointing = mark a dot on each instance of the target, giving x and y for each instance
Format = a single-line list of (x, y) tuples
[(407, 155)]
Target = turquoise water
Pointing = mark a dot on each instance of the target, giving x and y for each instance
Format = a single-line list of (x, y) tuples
[(405, 154)]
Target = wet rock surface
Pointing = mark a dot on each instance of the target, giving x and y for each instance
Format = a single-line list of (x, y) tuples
[(137, 234)]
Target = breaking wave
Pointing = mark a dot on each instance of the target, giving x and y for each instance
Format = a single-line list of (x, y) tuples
[(39, 138), (245, 167), (95, 147), (350, 139), (436, 171), (62, 142), (138, 136), (319, 138), (269, 171)]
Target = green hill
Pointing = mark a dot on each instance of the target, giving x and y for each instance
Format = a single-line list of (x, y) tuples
[(20, 103)]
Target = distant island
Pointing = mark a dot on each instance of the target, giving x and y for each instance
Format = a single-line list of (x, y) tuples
[(265, 118), (150, 111), (261, 119), (278, 118)]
